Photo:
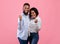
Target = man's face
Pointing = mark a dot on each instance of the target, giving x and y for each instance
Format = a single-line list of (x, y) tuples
[(26, 9)]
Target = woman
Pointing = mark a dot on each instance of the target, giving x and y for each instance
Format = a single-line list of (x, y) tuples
[(34, 26)]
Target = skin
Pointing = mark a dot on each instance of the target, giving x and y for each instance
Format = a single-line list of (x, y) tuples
[(33, 14), (26, 8)]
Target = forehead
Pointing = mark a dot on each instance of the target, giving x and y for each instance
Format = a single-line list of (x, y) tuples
[(26, 6), (32, 11)]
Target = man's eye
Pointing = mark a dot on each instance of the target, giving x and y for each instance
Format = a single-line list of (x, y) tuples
[(26, 8)]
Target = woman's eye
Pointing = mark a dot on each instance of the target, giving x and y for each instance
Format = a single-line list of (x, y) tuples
[(32, 12)]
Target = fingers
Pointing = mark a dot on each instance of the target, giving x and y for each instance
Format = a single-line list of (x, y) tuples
[(36, 21), (20, 17)]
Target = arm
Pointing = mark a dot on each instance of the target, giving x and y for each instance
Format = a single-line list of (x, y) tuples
[(19, 23), (38, 23)]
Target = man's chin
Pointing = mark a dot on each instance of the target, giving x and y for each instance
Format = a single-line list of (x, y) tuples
[(26, 13)]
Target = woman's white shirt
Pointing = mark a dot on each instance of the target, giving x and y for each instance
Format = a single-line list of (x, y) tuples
[(35, 27)]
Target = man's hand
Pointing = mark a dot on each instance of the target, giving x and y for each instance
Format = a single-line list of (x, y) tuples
[(36, 20), (20, 17)]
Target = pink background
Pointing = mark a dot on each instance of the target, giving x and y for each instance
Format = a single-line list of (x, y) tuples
[(49, 12)]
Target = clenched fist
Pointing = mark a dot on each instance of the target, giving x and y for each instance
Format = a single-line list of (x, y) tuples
[(20, 17), (36, 20)]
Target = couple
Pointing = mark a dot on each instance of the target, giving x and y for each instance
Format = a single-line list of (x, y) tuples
[(29, 23)]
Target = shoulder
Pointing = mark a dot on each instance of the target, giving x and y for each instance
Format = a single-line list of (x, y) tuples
[(38, 17)]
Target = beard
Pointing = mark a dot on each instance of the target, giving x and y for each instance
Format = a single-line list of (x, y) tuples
[(25, 13)]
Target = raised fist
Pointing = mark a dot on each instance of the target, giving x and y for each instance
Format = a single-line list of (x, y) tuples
[(20, 17)]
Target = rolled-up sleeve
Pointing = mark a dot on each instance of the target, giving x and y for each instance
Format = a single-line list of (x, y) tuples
[(20, 23)]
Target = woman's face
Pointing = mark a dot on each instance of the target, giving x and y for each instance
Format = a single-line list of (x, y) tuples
[(33, 14)]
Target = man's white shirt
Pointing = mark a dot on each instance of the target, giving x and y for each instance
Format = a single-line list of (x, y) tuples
[(35, 27), (22, 32)]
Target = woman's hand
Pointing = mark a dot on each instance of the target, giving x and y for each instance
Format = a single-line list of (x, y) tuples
[(36, 20)]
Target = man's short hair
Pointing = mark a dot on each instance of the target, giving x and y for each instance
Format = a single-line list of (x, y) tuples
[(26, 4)]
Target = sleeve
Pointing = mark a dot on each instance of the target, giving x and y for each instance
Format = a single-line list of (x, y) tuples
[(20, 23), (39, 23)]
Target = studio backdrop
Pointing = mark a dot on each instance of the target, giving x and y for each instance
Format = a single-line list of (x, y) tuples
[(49, 11)]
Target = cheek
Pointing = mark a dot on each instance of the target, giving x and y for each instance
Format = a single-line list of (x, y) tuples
[(26, 10), (34, 15)]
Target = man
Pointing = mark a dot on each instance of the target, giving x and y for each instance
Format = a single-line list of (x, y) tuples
[(23, 21)]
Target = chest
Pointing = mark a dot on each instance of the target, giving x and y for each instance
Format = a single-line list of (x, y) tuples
[(26, 20)]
